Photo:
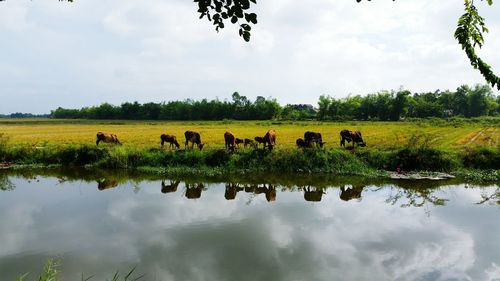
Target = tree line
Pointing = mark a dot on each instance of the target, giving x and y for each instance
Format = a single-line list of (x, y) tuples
[(466, 101), (394, 105)]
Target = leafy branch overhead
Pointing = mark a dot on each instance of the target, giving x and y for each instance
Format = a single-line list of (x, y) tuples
[(235, 11), (469, 34)]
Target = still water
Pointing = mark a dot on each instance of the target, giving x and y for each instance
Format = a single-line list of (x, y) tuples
[(189, 229)]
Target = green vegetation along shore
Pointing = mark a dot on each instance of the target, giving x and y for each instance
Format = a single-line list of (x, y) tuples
[(367, 162)]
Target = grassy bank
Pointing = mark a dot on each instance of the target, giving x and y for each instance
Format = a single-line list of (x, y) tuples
[(477, 161)]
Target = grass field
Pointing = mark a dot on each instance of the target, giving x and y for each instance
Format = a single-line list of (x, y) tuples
[(142, 134)]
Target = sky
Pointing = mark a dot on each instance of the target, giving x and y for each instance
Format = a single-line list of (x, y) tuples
[(94, 51)]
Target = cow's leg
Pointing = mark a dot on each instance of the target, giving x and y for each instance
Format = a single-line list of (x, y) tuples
[(97, 142)]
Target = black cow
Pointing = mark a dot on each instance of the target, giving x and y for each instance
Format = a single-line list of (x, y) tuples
[(301, 143), (313, 137)]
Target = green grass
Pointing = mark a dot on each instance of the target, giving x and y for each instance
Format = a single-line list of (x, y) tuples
[(445, 134), (415, 146)]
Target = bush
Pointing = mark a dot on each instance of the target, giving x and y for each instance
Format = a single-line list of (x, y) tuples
[(481, 157)]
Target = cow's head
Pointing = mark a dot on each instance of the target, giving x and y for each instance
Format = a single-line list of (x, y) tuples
[(363, 144), (200, 145)]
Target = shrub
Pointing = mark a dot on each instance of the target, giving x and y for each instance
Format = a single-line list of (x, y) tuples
[(481, 157)]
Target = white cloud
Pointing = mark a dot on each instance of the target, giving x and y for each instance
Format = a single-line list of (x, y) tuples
[(160, 50)]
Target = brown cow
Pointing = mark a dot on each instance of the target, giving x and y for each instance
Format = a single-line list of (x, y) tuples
[(229, 141), (194, 138), (313, 137), (354, 136), (349, 193), (249, 142), (167, 188), (313, 195), (170, 139), (238, 141), (107, 137), (270, 139)]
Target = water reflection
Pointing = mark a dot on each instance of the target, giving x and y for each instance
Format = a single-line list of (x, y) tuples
[(193, 190), (107, 184), (171, 187), (221, 236), (349, 192), (313, 194), (404, 193), (268, 189), (231, 190)]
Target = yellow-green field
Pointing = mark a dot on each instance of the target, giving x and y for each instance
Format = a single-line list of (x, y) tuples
[(142, 134)]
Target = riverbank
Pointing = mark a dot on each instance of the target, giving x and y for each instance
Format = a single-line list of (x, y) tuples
[(477, 163)]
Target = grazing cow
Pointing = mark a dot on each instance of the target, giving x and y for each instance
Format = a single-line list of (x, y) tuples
[(301, 143), (107, 137), (107, 184), (259, 140), (231, 190), (194, 138), (230, 140), (310, 137), (312, 195), (170, 139), (348, 193), (270, 139), (249, 142), (238, 141), (354, 136), (167, 188), (193, 191)]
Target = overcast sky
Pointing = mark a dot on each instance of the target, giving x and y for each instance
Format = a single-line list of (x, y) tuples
[(93, 51)]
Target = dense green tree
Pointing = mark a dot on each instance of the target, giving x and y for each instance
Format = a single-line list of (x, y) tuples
[(384, 106)]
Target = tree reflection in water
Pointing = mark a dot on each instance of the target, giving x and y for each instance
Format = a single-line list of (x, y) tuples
[(414, 197), (493, 198), (5, 183)]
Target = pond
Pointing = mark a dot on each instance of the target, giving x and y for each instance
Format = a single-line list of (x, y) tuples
[(279, 228)]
